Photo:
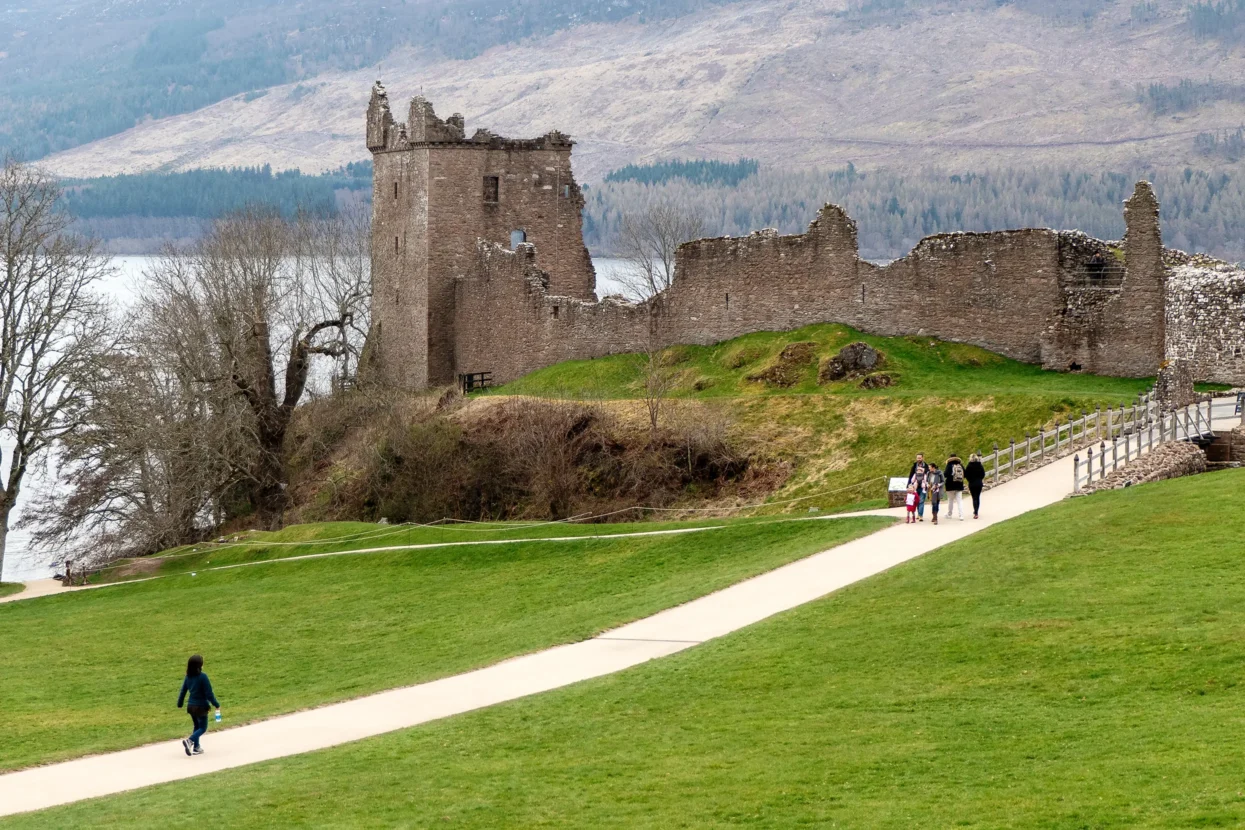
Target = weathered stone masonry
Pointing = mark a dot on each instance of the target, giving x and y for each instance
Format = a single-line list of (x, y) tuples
[(456, 292)]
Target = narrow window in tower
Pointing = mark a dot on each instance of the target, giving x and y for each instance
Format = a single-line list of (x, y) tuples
[(395, 244), (728, 301), (517, 238), (395, 191), (566, 191), (492, 189), (555, 312), (862, 293)]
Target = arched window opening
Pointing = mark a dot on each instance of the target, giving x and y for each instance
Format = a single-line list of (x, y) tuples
[(517, 238)]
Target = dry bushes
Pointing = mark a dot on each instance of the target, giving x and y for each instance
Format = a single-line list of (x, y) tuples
[(507, 459)]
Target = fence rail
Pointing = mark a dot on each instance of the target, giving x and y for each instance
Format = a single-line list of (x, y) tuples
[(1122, 434), (1159, 426)]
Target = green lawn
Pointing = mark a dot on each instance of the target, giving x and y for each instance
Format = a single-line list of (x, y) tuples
[(1077, 667), (324, 537), (99, 670), (919, 366), (7, 588)]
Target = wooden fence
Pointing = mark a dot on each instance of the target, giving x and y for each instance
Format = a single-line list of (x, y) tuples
[(1157, 427), (1111, 437)]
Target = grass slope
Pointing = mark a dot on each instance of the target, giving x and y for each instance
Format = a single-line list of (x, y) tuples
[(920, 367), (1077, 667), (9, 588), (328, 537), (99, 670), (947, 397)]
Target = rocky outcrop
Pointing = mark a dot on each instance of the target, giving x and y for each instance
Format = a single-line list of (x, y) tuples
[(853, 360)]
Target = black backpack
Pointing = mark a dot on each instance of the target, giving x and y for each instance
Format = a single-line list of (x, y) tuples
[(957, 472)]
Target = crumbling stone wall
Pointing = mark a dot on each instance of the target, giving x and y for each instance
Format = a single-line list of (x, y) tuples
[(1206, 319), (1027, 294), (509, 322)]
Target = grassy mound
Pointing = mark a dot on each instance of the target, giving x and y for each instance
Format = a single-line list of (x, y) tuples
[(99, 670), (747, 422), (9, 588), (1076, 667), (829, 438), (918, 366)]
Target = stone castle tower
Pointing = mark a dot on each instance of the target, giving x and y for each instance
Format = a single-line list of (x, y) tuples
[(436, 195)]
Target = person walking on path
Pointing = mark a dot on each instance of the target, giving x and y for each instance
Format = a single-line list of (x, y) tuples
[(954, 471), (934, 484), (975, 475), (197, 692), (917, 476)]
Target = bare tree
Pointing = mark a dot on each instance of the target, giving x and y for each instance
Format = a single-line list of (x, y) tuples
[(53, 327), (332, 258), (250, 316), (649, 242), (153, 460)]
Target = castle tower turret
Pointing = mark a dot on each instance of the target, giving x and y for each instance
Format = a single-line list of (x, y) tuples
[(437, 194), (379, 119)]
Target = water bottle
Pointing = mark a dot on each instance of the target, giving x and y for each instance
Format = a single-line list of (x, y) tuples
[(218, 715)]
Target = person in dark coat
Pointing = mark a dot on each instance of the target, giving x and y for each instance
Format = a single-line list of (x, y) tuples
[(954, 471), (975, 475), (935, 481), (917, 476), (197, 692)]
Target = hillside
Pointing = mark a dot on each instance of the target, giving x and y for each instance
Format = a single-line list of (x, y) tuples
[(1075, 667), (574, 438), (811, 82)]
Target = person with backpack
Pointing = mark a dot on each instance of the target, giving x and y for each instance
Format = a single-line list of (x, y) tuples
[(934, 481), (975, 475), (197, 692), (917, 476), (955, 485)]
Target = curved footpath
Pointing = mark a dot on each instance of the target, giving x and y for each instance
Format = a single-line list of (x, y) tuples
[(660, 635)]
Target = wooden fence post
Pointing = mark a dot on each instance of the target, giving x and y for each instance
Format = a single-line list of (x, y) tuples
[(1011, 463), (1076, 473), (996, 462), (1115, 454), (1028, 450)]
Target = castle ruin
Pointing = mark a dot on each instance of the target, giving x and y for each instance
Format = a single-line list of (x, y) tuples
[(479, 265)]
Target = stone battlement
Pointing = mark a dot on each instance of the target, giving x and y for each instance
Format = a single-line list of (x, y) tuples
[(424, 129)]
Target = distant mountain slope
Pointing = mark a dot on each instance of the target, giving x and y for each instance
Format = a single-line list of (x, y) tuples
[(789, 82), (72, 71)]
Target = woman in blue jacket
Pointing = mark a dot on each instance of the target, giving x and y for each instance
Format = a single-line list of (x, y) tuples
[(197, 692)]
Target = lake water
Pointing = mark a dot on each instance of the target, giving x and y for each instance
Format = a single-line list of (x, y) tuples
[(21, 563)]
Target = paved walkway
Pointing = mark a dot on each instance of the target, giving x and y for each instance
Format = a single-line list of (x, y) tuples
[(657, 636)]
